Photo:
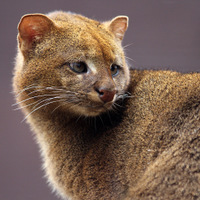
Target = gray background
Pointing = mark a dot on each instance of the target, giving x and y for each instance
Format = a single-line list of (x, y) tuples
[(163, 34)]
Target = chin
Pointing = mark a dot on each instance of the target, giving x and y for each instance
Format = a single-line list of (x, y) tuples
[(91, 111)]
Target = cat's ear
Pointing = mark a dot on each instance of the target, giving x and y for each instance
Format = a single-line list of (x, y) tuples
[(32, 28), (118, 26)]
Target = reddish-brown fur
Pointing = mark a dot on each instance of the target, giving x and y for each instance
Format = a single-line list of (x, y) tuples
[(147, 148)]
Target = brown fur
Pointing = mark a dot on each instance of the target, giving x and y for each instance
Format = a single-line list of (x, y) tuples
[(149, 148)]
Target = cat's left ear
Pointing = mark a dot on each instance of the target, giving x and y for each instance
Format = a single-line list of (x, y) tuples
[(118, 26)]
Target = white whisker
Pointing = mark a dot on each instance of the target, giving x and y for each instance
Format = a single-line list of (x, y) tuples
[(108, 113), (26, 105), (79, 118), (44, 95), (117, 105), (128, 93), (27, 88), (75, 105), (45, 100), (129, 97), (38, 109), (64, 103), (124, 47), (36, 91), (56, 108), (115, 109), (101, 120), (130, 58)]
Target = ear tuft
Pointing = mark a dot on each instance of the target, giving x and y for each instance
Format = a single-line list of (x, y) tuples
[(32, 28), (119, 26)]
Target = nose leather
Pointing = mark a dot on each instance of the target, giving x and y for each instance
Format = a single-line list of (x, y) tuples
[(106, 95)]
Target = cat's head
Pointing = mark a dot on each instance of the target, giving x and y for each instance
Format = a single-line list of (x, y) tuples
[(71, 62)]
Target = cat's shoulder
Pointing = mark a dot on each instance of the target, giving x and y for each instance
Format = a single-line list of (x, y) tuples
[(164, 77)]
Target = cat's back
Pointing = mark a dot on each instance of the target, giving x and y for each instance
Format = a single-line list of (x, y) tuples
[(166, 98), (166, 107), (162, 87)]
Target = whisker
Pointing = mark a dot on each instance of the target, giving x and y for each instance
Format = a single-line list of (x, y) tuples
[(27, 88), (39, 89), (128, 93), (115, 109), (55, 88), (36, 91), (101, 120), (124, 47), (68, 102), (45, 95), (108, 113), (59, 106), (45, 100), (130, 58), (79, 118), (117, 105), (38, 109), (122, 97), (95, 123), (65, 92), (130, 97), (75, 105), (27, 105)]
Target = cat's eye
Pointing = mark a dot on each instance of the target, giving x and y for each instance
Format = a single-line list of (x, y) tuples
[(78, 67), (114, 70)]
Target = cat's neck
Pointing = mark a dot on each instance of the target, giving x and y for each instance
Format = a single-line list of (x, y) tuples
[(70, 145)]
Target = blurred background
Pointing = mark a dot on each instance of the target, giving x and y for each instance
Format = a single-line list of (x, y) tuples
[(162, 34)]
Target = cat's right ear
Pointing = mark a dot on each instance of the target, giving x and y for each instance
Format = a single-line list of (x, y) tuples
[(32, 29)]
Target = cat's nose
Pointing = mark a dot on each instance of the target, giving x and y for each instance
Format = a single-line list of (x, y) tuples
[(106, 95)]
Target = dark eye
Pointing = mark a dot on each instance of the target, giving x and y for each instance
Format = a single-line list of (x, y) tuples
[(78, 67), (114, 69)]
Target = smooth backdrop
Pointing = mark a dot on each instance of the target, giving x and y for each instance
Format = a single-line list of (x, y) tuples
[(162, 34)]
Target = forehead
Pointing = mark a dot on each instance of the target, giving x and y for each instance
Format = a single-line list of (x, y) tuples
[(99, 49), (92, 41)]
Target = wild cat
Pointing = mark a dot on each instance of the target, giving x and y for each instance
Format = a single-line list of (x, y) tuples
[(105, 131)]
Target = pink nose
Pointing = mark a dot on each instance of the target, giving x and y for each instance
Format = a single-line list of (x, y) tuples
[(106, 95)]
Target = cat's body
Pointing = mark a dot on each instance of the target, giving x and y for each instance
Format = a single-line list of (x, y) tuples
[(148, 147)]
